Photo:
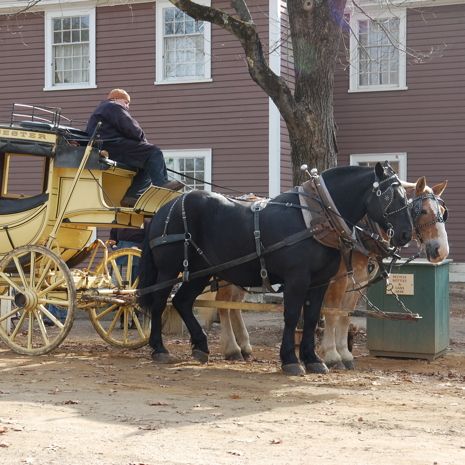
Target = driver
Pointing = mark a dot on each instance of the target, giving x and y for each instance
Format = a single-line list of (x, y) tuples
[(125, 140)]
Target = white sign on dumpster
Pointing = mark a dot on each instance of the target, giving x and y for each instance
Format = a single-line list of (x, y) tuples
[(402, 284)]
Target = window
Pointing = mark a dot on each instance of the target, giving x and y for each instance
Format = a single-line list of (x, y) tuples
[(377, 52), (194, 163), (22, 175), (182, 46), (69, 49), (398, 161)]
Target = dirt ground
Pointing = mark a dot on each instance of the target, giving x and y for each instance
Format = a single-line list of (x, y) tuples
[(88, 403)]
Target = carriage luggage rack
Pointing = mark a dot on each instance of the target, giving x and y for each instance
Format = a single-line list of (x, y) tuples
[(39, 117)]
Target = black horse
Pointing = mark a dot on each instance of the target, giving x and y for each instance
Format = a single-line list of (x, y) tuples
[(200, 230)]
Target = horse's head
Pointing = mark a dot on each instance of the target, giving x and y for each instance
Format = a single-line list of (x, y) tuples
[(388, 205), (429, 214)]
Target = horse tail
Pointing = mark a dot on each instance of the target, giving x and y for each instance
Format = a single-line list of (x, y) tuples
[(148, 273)]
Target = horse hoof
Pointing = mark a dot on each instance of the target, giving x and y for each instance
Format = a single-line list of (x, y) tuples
[(317, 367), (337, 365), (234, 357), (348, 364), (200, 356), (164, 358), (246, 355), (293, 369)]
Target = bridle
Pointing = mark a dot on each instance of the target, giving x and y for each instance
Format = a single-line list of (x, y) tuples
[(417, 208), (386, 197)]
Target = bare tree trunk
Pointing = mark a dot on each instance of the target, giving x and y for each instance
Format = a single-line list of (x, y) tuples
[(316, 30)]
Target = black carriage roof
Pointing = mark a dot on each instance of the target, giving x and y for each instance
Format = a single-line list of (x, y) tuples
[(29, 122)]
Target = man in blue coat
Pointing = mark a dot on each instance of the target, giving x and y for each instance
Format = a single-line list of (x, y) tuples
[(125, 141)]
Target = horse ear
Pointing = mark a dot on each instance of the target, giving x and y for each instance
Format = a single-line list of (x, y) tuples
[(420, 186), (438, 189), (379, 170)]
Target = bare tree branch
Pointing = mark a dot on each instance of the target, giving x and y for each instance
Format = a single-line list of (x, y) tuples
[(242, 9), (246, 32)]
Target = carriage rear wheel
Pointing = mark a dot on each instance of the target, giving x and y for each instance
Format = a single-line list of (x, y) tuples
[(38, 300), (126, 325)]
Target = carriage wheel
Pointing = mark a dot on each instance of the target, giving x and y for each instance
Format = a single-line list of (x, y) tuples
[(37, 302), (122, 325)]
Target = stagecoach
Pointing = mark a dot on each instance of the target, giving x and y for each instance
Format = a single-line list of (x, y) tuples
[(46, 234)]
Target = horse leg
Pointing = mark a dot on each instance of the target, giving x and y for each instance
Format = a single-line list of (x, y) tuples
[(294, 296), (311, 310), (183, 302), (241, 333), (159, 353), (342, 332), (332, 304), (328, 347), (229, 346)]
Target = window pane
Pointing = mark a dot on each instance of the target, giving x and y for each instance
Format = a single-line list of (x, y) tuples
[(74, 46)]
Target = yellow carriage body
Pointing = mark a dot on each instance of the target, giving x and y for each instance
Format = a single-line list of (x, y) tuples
[(49, 227)]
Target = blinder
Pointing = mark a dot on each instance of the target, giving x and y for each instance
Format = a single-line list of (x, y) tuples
[(386, 197), (417, 207)]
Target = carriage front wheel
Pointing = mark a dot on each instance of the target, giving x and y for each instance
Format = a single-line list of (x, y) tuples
[(38, 300), (122, 325)]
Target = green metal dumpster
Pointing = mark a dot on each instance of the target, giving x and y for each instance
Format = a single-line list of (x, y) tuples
[(424, 288)]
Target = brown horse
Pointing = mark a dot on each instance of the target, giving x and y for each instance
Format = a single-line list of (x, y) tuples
[(430, 232)]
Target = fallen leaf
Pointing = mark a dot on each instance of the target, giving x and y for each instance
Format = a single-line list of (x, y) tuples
[(276, 441), (3, 429), (234, 396)]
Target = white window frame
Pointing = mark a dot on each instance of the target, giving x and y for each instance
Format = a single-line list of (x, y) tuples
[(159, 47), (49, 16), (206, 154), (400, 157), (400, 13)]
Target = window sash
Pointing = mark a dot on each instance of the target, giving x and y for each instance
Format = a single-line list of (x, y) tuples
[(378, 52), (70, 49), (183, 43)]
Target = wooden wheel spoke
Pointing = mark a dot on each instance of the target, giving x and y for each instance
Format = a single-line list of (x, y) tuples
[(129, 269), (8, 315), (134, 284), (21, 272), (51, 287), (117, 274), (33, 269), (51, 316), (44, 273), (4, 277), (56, 302), (30, 330), (114, 321), (43, 329), (106, 311), (125, 324), (18, 325), (139, 328)]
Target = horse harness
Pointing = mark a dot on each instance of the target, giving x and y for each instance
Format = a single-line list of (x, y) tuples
[(323, 222)]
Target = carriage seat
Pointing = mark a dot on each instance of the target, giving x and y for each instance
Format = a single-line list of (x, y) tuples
[(9, 206)]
